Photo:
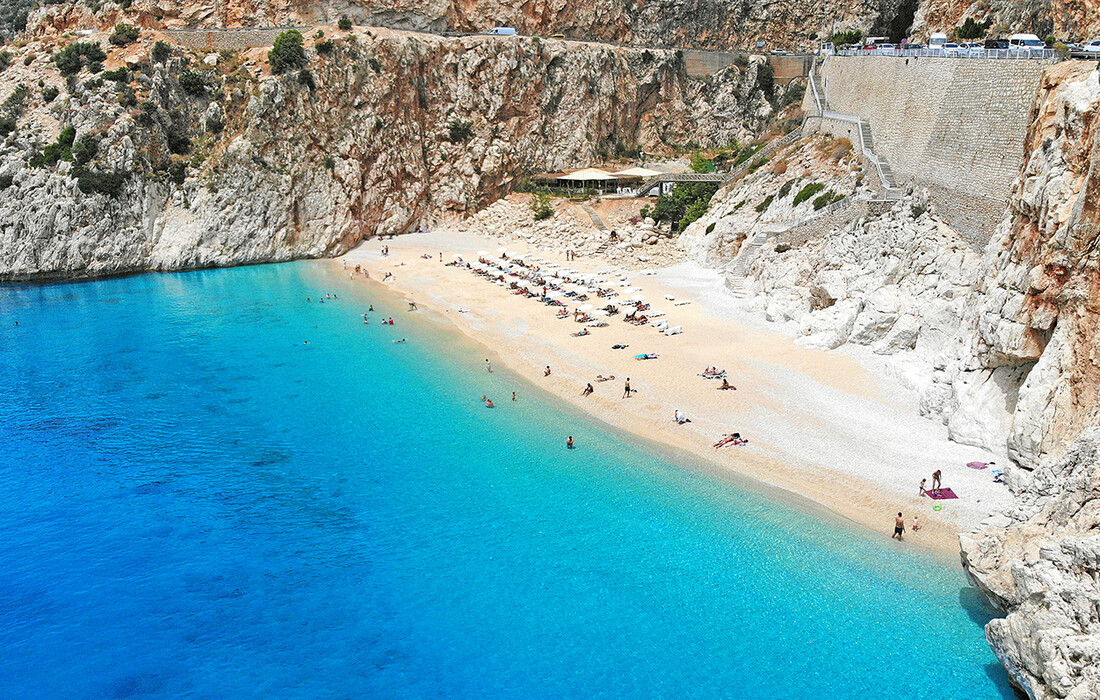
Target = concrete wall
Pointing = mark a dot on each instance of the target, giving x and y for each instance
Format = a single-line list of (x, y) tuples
[(954, 126)]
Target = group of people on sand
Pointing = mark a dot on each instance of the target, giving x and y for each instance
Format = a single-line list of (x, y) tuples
[(936, 485)]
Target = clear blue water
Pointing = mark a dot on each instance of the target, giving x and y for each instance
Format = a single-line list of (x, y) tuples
[(197, 504)]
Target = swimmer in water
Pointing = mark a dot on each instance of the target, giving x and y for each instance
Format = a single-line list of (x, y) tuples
[(371, 308), (569, 443), (488, 403)]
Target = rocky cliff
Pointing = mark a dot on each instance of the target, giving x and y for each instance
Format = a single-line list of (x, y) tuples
[(211, 160), (1040, 562)]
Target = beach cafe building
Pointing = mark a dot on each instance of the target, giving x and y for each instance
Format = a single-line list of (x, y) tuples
[(595, 181)]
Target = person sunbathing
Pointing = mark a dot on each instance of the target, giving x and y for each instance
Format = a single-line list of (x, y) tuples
[(731, 439), (579, 333), (726, 385), (601, 378)]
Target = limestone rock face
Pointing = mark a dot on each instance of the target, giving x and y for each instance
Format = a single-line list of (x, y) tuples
[(385, 133), (1040, 562)]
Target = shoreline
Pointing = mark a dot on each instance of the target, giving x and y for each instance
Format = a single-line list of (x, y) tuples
[(802, 409)]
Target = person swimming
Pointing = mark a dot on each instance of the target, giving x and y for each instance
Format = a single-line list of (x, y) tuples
[(489, 403)]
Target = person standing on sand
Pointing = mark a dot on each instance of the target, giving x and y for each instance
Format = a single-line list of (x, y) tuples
[(626, 389), (922, 483), (916, 523), (899, 528), (936, 482), (569, 443), (488, 366)]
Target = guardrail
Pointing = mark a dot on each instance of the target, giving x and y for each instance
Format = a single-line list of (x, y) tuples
[(1017, 54)]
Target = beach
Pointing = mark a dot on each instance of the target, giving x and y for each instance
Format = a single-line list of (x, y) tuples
[(822, 425)]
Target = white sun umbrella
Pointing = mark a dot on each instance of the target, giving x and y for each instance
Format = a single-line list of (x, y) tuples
[(482, 253), (456, 257), (554, 294), (600, 312), (502, 249), (585, 307), (638, 297)]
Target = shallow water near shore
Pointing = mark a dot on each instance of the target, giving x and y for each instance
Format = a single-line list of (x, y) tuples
[(200, 504)]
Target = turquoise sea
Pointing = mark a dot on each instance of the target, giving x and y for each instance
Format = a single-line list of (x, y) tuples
[(198, 504)]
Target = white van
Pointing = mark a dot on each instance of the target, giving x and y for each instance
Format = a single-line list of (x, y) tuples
[(503, 31), (1026, 42), (937, 40)]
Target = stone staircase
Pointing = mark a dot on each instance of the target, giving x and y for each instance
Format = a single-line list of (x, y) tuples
[(735, 273)]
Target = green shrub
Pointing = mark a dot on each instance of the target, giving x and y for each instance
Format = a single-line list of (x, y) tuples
[(94, 66), (973, 30), (786, 188), (73, 57), (808, 191), (177, 172), (760, 208), (748, 153), (324, 48), (305, 77), (119, 76), (826, 199), (851, 36), (177, 140), (684, 204), (375, 64), (330, 163), (287, 54), (193, 83), (5, 60), (16, 102), (62, 149), (161, 52), (344, 24), (711, 227), (95, 182), (127, 98), (459, 131), (7, 125), (757, 164), (739, 204), (540, 207), (782, 248), (85, 149), (124, 34), (699, 164)]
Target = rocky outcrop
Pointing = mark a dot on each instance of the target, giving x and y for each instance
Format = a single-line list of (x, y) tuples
[(383, 132), (1040, 562)]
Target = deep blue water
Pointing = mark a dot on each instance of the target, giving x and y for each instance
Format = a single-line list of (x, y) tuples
[(197, 504)]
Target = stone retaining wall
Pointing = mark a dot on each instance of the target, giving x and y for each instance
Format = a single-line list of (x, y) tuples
[(954, 126), (225, 39)]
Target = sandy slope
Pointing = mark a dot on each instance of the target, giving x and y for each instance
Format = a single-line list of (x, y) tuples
[(820, 423)]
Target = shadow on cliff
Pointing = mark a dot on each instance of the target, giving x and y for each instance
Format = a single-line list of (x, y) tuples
[(981, 612)]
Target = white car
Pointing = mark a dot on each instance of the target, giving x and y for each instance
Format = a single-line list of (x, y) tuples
[(1090, 50)]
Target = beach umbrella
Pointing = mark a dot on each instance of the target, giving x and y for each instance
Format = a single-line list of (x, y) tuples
[(585, 307), (600, 312), (502, 249), (638, 297), (456, 257), (482, 253), (554, 294)]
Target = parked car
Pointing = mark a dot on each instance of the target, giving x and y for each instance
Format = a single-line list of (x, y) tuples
[(778, 52), (503, 31), (952, 49), (1089, 50), (994, 44), (1026, 43)]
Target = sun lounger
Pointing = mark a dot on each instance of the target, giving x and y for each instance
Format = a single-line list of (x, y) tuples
[(596, 324), (675, 330), (655, 314), (660, 325), (685, 302), (669, 297)]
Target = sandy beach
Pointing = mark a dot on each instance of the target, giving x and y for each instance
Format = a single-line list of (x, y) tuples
[(820, 424)]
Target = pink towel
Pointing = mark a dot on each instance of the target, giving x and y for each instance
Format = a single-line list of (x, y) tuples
[(977, 465), (945, 493)]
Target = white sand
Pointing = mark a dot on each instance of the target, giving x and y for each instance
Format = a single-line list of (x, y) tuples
[(821, 424)]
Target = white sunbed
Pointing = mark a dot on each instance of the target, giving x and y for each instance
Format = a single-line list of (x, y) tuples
[(596, 324), (685, 302), (675, 330), (669, 297), (654, 314), (660, 325)]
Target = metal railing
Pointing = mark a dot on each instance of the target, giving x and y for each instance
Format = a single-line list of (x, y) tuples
[(1017, 54)]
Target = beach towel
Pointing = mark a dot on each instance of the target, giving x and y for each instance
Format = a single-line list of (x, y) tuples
[(977, 465), (945, 493)]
